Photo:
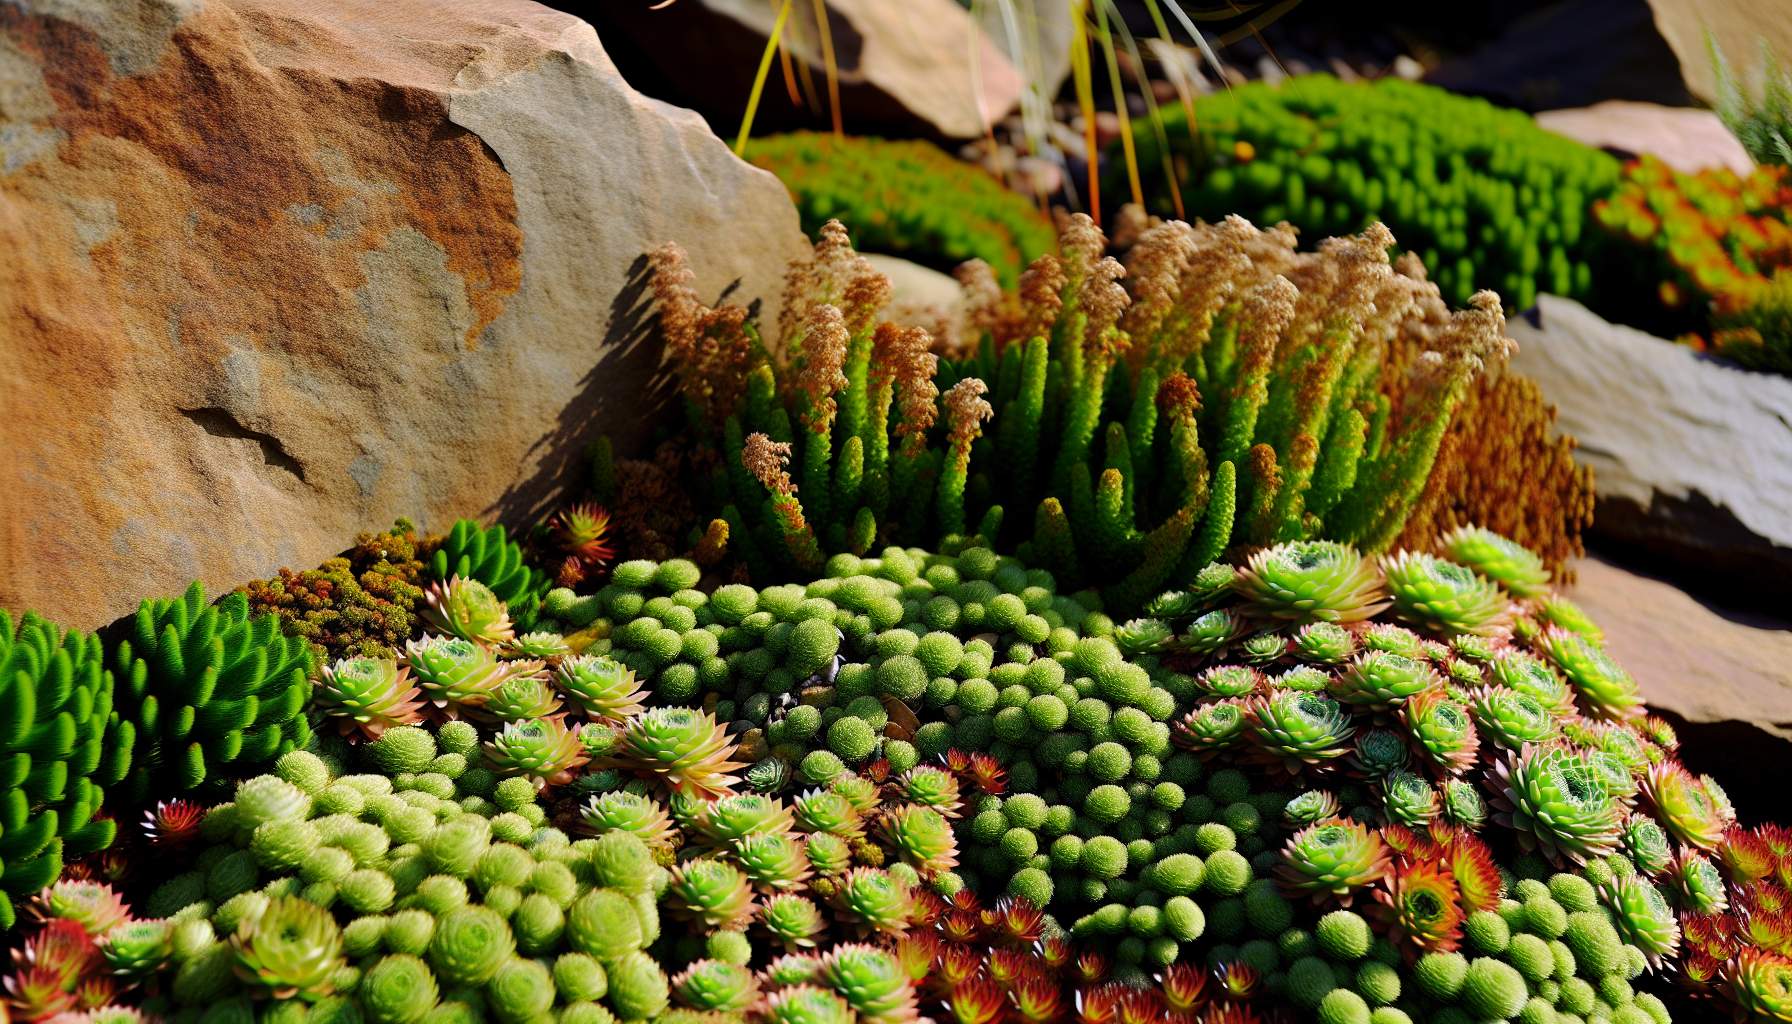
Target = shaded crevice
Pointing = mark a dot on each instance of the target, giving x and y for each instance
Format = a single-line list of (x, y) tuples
[(220, 423)]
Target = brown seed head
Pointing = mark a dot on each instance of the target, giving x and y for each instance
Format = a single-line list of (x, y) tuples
[(766, 459), (966, 410), (821, 375)]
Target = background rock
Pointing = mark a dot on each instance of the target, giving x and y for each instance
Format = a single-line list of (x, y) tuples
[(1691, 457), (279, 271), (1685, 138), (906, 67), (1724, 680), (1740, 27)]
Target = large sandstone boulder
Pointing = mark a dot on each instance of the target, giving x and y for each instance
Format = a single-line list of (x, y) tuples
[(906, 67), (1722, 678), (277, 271), (1691, 457)]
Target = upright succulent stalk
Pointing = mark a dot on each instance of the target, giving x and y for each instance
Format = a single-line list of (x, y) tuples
[(206, 686), (62, 743)]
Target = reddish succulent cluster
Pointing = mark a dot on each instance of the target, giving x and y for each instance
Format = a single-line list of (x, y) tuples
[(1720, 240), (1741, 948), (69, 965), (581, 535), (993, 964)]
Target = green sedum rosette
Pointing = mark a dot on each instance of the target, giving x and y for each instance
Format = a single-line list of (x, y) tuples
[(1605, 689), (1503, 561), (1297, 730), (1311, 581), (1333, 859), (292, 949), (1443, 597), (1556, 801)]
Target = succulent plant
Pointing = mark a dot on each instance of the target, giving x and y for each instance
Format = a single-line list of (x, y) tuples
[(794, 921), (1442, 596), (582, 533), (291, 949), (1311, 581), (467, 608), (681, 747), (1408, 799), (1420, 906), (1605, 689), (489, 557), (1211, 728), (1510, 718), (362, 604), (773, 861), (1325, 642), (1556, 802), (806, 1004), (541, 750), (603, 688), (931, 786), (1492, 556), (1311, 150), (1642, 916), (135, 949), (1380, 679), (207, 686), (366, 696), (714, 985), (1759, 982), (1684, 805), (873, 901), (1333, 859), (539, 645), (62, 744), (872, 982), (922, 838), (712, 892), (524, 694), (95, 906), (1441, 729), (453, 674), (907, 198), (1297, 730)]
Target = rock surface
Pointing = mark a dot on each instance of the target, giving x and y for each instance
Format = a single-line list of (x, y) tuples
[(1691, 457), (1740, 28), (1685, 138), (278, 271), (920, 295), (913, 67), (1724, 681)]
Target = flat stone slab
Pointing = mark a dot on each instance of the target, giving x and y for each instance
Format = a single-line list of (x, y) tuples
[(1723, 678), (1685, 138), (1691, 456)]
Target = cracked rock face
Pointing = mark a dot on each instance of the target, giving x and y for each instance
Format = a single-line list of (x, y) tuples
[(276, 272)]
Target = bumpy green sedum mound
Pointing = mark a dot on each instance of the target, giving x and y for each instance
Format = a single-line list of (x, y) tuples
[(907, 199), (402, 904), (1487, 198), (208, 685), (60, 743)]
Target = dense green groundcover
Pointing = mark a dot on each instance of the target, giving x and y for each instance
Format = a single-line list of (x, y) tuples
[(1487, 198), (1315, 784), (907, 199)]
